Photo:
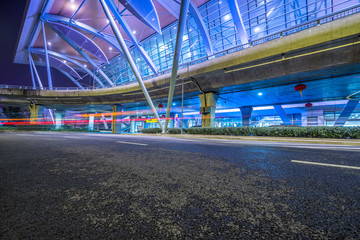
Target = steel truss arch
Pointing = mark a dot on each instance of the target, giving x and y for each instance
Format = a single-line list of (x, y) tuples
[(144, 10), (70, 77), (173, 6), (84, 55), (125, 26), (66, 58), (238, 22), (106, 37), (202, 28)]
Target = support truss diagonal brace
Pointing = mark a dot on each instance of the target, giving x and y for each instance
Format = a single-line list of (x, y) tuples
[(125, 26), (66, 58), (179, 39), (82, 53), (129, 59)]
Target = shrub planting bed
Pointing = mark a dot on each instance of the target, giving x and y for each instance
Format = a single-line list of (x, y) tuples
[(151, 130), (302, 132)]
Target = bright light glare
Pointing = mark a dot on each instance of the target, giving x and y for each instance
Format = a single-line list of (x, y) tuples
[(85, 65), (49, 43), (260, 93), (134, 32), (227, 17), (257, 29), (73, 7), (110, 48)]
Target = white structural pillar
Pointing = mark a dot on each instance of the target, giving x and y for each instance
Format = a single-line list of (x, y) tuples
[(129, 59), (312, 118), (207, 110), (91, 122), (59, 118), (48, 71), (179, 39), (132, 124)]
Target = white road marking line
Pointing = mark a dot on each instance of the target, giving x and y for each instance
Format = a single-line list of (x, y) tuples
[(24, 134), (188, 140), (330, 147), (72, 137), (140, 144), (326, 164)]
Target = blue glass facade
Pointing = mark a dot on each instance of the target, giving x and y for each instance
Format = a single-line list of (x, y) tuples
[(261, 18)]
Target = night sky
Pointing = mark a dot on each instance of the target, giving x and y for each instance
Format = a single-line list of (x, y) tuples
[(11, 14)]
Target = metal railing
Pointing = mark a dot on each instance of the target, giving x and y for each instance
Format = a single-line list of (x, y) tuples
[(298, 28), (286, 32)]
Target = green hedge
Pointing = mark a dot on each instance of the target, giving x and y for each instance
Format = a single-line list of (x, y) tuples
[(303, 132), (174, 131), (7, 128), (151, 130), (43, 128), (33, 127)]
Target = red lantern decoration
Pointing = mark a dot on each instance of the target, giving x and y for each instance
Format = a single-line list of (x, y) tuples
[(308, 105), (160, 106), (140, 117), (163, 116), (300, 88)]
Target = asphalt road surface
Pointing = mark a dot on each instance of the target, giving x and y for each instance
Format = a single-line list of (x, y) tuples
[(101, 186)]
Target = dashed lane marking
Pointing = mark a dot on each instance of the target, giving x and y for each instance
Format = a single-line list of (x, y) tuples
[(24, 134), (140, 144), (73, 137)]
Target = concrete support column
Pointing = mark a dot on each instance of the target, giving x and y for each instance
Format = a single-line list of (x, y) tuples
[(146, 123), (116, 123), (246, 116), (207, 110), (132, 124), (171, 120), (114, 118), (34, 113), (59, 118), (103, 118), (91, 122)]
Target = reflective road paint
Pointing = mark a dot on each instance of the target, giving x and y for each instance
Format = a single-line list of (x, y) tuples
[(140, 144), (326, 164)]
